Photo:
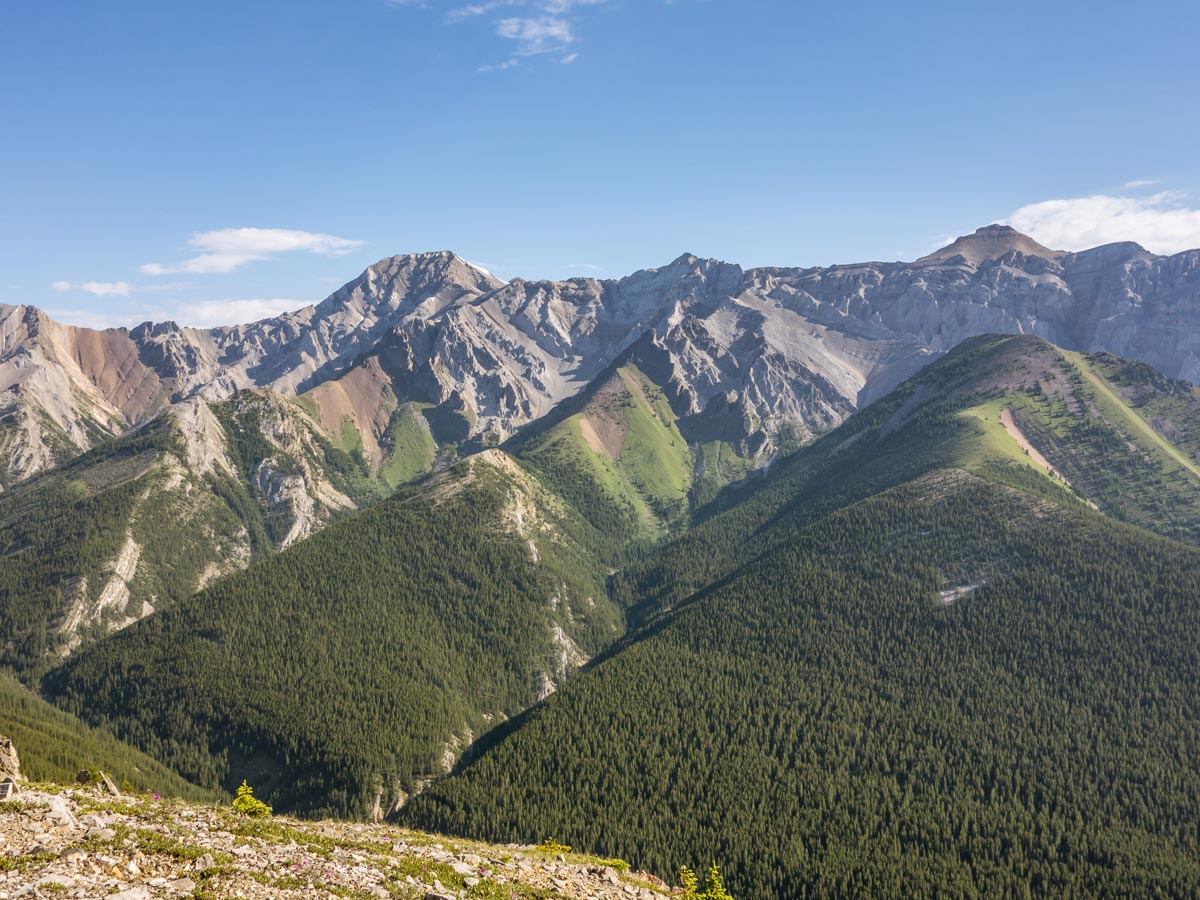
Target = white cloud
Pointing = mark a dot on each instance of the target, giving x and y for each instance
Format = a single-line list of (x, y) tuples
[(99, 288), (211, 313), (1162, 222), (203, 314), (231, 248), (544, 34), (1140, 183), (476, 9), (500, 67), (106, 288), (536, 26)]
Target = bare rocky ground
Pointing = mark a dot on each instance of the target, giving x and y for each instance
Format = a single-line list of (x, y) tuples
[(82, 842)]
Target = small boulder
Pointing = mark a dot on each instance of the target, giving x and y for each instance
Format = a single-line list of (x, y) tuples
[(59, 811)]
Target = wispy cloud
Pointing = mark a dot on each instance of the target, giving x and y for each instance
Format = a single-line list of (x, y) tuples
[(1140, 183), (534, 36), (534, 27), (203, 314), (231, 248), (1162, 223), (499, 67), (99, 288)]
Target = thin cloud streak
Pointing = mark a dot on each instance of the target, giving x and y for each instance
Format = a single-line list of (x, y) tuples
[(98, 288), (228, 249)]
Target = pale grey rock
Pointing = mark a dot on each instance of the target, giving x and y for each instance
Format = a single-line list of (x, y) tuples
[(748, 356), (10, 761), (58, 810), (109, 784)]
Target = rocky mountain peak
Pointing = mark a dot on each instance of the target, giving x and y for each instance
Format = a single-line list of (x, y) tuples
[(441, 274), (989, 242)]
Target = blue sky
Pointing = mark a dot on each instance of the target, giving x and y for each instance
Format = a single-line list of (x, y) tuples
[(218, 161)]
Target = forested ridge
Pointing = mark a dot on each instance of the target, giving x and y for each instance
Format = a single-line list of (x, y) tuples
[(908, 663), (62, 532), (54, 746), (948, 649), (336, 673)]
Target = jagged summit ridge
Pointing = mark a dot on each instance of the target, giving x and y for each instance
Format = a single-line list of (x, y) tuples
[(791, 349)]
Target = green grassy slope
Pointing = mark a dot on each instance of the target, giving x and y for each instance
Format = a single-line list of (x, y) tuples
[(55, 746), (341, 671), (949, 414), (617, 455), (910, 662), (411, 448)]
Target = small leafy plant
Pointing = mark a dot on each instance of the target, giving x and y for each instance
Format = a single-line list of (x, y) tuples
[(247, 804), (714, 888)]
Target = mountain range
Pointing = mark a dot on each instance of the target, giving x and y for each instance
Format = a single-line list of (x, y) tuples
[(864, 580), (746, 356)]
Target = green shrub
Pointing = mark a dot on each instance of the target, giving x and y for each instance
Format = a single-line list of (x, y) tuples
[(714, 889), (247, 804)]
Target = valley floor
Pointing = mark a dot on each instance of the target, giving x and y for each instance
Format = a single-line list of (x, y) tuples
[(79, 843)]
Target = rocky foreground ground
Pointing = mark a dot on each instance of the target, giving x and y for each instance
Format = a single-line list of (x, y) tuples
[(85, 843)]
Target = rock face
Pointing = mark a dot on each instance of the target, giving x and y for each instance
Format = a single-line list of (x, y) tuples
[(197, 493), (10, 762), (746, 356)]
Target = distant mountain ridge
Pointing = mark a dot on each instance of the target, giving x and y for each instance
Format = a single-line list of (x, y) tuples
[(767, 353)]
